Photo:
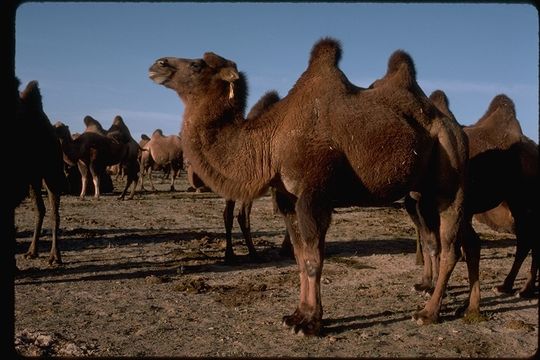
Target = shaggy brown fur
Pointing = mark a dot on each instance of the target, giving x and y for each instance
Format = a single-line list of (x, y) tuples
[(326, 144), (503, 167), (47, 169)]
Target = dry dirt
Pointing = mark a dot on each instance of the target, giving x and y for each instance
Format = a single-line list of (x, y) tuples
[(146, 278)]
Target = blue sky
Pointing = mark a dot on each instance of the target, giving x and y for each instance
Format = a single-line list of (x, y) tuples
[(93, 58)]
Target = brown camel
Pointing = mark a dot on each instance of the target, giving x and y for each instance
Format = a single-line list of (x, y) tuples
[(503, 167), (327, 144), (162, 152), (244, 213), (126, 158), (47, 168), (90, 152)]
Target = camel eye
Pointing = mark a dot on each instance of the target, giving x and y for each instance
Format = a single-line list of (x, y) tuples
[(163, 63), (195, 66)]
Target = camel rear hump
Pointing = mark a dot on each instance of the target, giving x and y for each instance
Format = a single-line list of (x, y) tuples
[(501, 114)]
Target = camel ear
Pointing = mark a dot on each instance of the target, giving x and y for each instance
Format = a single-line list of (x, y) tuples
[(214, 60), (229, 74)]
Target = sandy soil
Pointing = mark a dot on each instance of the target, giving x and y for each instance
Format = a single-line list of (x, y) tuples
[(146, 278)]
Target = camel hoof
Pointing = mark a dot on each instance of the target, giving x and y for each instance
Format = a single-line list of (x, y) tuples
[(298, 325), (286, 252), (256, 258), (424, 318), (422, 287), (30, 255), (54, 261), (526, 294), (503, 289), (230, 258)]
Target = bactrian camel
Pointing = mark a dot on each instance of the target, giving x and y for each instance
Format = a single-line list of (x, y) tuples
[(327, 144), (503, 167), (125, 155), (46, 168)]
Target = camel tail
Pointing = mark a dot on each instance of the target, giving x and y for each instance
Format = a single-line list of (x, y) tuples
[(326, 51)]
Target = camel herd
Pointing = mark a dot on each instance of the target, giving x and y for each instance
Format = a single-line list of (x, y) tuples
[(327, 144)]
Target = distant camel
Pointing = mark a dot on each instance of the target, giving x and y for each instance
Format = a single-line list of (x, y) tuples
[(244, 213), (46, 167), (503, 166), (327, 144), (127, 158), (161, 152), (90, 152)]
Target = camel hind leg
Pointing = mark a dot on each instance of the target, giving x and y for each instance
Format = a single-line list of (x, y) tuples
[(83, 169), (449, 231), (423, 213), (245, 225), (525, 241), (228, 217)]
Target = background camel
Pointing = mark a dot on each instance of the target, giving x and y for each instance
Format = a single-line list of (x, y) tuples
[(503, 178), (163, 152), (46, 168), (90, 152), (126, 156), (327, 144)]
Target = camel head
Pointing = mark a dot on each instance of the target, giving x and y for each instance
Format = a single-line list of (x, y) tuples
[(62, 131), (191, 78)]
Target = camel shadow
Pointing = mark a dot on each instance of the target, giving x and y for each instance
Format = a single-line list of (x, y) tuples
[(340, 325)]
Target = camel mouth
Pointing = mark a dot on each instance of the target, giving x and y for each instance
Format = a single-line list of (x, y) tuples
[(157, 78)]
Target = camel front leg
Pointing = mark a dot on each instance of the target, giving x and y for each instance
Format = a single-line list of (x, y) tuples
[(83, 169), (39, 207), (54, 203)]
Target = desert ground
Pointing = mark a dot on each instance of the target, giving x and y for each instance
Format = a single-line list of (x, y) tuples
[(146, 277)]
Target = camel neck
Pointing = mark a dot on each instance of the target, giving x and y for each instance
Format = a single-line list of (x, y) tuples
[(71, 155), (230, 154)]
